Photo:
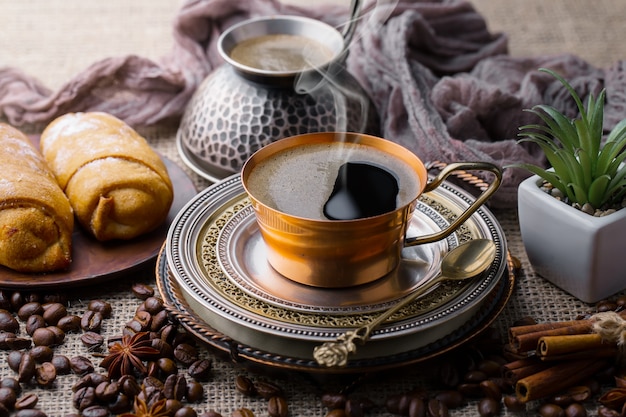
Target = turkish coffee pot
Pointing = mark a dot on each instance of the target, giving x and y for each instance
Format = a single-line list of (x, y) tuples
[(242, 106)]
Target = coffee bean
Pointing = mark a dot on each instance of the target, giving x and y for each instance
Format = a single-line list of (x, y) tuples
[(144, 319), (186, 412), (59, 334), (142, 291), (33, 323), (153, 305), (513, 403), (470, 390), (12, 383), (277, 407), (475, 377), (352, 408), (575, 410), (152, 382), (16, 300), (200, 370), (159, 320), (4, 336), (53, 313), (185, 353), (244, 385), (399, 404), (107, 391), (267, 389), (151, 394), (551, 410), (194, 392), (41, 353), (92, 340), (101, 306), (491, 389), (61, 364), (165, 349), (8, 398), (437, 408), (43, 336), (29, 309), (175, 387), (490, 367), (172, 406), (27, 401), (81, 365), (84, 397), (46, 374), (95, 411), (8, 323), (69, 323), (13, 359), (26, 370), (167, 366), (5, 300), (488, 407), (579, 393), (14, 342), (417, 407), (129, 385), (449, 374), (30, 412), (91, 321), (333, 400), (121, 404), (168, 333), (451, 398)]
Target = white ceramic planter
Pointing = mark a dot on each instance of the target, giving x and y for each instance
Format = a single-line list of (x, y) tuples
[(582, 254)]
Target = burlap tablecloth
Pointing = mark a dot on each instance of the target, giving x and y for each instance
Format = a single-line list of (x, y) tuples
[(55, 39)]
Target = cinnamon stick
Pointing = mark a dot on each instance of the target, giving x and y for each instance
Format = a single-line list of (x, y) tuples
[(556, 378), (549, 346), (516, 370), (524, 338), (526, 341)]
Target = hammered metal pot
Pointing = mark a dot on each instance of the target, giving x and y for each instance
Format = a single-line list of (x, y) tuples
[(238, 110)]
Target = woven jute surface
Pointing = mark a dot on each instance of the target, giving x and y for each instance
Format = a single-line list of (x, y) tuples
[(55, 39)]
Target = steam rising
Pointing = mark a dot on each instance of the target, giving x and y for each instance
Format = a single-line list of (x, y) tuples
[(331, 78)]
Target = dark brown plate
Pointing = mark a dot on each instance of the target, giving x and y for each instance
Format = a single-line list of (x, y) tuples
[(94, 261)]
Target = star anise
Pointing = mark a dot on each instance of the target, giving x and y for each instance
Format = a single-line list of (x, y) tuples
[(141, 409), (127, 355)]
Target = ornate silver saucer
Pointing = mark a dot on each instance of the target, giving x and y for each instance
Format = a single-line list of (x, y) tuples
[(203, 260), (241, 254)]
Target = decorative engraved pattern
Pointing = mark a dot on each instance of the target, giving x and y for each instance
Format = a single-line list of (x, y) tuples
[(221, 283)]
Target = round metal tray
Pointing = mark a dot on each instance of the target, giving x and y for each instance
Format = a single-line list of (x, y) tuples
[(211, 230)]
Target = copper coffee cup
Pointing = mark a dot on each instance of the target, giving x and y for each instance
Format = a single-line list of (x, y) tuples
[(344, 253)]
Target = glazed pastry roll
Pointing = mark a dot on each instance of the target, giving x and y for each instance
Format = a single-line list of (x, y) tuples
[(117, 185), (36, 219)]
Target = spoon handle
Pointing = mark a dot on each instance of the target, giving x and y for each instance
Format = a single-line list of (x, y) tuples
[(335, 353)]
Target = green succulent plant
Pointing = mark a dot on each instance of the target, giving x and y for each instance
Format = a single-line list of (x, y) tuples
[(584, 169)]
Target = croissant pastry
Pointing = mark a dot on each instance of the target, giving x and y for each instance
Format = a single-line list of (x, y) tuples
[(116, 183), (36, 219)]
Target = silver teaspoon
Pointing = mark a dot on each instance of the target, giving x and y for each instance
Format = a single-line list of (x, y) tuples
[(463, 262)]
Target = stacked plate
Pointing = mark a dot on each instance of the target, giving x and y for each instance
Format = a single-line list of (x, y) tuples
[(213, 275)]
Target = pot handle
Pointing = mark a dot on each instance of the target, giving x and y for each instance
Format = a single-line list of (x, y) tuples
[(482, 198), (348, 31)]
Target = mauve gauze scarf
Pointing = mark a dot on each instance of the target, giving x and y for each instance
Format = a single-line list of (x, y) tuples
[(442, 84)]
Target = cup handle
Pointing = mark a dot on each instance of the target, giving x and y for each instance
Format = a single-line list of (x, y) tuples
[(446, 172)]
